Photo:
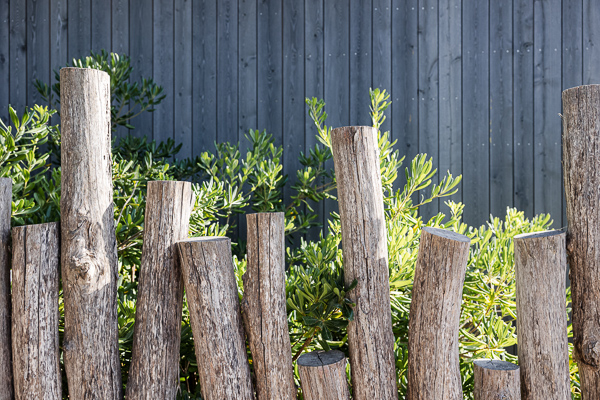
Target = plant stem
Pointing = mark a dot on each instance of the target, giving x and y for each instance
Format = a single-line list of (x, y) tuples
[(304, 346)]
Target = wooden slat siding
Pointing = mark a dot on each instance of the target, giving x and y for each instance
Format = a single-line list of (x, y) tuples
[(163, 62), (475, 70), (101, 25), (38, 43), (141, 53), (523, 106), (428, 92), (18, 56), (182, 70), (120, 39), (204, 75), (501, 107), (405, 72), (336, 17), (79, 28), (547, 103), (4, 59), (313, 82), (227, 75), (450, 93), (591, 41), (360, 61), (247, 73), (382, 53), (58, 36)]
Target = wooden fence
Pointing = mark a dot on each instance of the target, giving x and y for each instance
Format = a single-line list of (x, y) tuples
[(87, 253)]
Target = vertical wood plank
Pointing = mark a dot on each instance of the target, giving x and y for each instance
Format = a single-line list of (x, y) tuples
[(382, 54), (547, 103), (18, 56), (101, 26), (247, 67), (4, 58), (58, 36), (79, 28), (501, 107), (360, 61), (163, 62), (204, 75), (227, 75), (591, 41), (182, 71), (38, 43), (120, 27), (476, 167), (141, 53)]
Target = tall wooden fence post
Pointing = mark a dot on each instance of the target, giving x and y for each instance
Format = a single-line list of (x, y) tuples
[(212, 294), (581, 161), (35, 276), (264, 307), (364, 245), (496, 380), (323, 375), (88, 241), (540, 269), (154, 371), (433, 367), (6, 369)]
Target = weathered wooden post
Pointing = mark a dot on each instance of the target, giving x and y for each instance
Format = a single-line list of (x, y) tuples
[(35, 265), (581, 162), (211, 290), (364, 244), (88, 242), (433, 367), (264, 307), (540, 273), (154, 371), (6, 369), (496, 380), (323, 375)]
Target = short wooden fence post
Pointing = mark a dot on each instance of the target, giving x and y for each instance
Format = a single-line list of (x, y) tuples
[(264, 307), (323, 375), (496, 380), (211, 290), (364, 245), (35, 266), (154, 371), (540, 272), (433, 367), (6, 369)]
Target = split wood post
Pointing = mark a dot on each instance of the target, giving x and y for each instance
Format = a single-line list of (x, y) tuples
[(154, 371), (323, 375), (433, 367), (541, 273), (364, 245), (581, 162), (35, 278), (264, 307), (88, 241), (212, 294), (6, 369), (496, 380)]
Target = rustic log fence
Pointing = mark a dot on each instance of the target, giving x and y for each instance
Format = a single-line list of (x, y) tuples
[(221, 323)]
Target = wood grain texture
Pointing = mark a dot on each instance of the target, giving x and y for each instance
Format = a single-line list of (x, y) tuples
[(88, 243), (496, 380), (433, 371), (540, 274), (581, 140), (323, 375), (154, 371), (18, 55), (4, 57), (364, 244), (264, 307), (182, 70), (35, 340), (361, 35), (227, 76), (6, 370), (212, 295), (163, 64)]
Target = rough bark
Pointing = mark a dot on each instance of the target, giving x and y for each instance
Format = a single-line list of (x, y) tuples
[(154, 372), (581, 163), (496, 380), (212, 294), (364, 244), (6, 369), (323, 375), (88, 242), (540, 269), (433, 367), (264, 307), (35, 266)]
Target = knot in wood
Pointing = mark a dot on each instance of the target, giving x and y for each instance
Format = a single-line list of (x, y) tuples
[(591, 353)]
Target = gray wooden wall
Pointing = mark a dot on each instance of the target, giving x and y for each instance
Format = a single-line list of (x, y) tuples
[(475, 84)]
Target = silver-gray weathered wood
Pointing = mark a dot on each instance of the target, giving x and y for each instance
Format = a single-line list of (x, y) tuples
[(433, 372), (323, 375), (496, 380), (541, 273), (88, 243), (212, 296), (364, 245), (35, 340), (264, 307), (6, 370)]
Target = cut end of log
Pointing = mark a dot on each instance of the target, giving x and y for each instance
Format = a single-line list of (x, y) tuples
[(446, 234), (70, 70), (204, 239), (496, 365), (320, 358), (535, 235), (573, 91)]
